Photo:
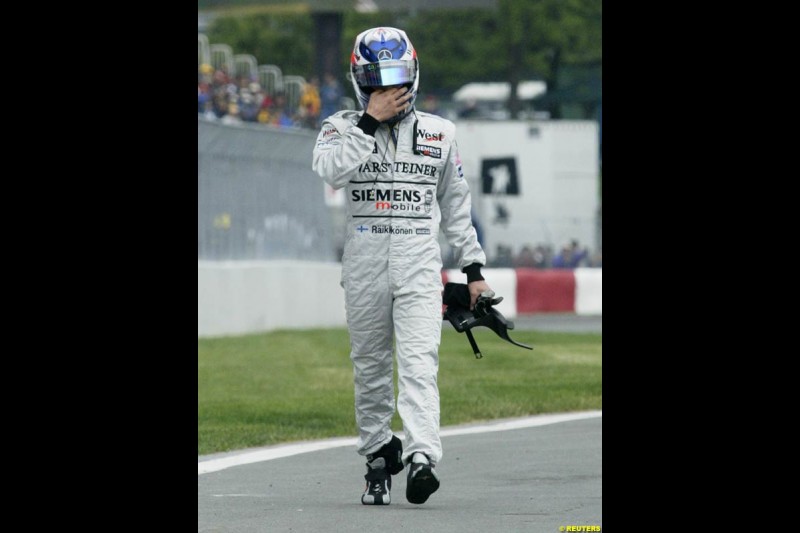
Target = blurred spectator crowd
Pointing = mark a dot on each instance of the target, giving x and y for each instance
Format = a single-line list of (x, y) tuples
[(543, 256), (220, 97), (571, 255)]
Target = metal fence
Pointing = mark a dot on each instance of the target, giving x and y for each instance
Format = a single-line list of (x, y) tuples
[(257, 197)]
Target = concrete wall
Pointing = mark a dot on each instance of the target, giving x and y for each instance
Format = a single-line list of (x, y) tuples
[(555, 197), (257, 197), (240, 297)]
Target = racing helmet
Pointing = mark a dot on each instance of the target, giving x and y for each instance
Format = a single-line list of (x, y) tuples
[(383, 57)]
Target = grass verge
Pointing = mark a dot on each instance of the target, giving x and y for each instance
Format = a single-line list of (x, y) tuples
[(284, 386)]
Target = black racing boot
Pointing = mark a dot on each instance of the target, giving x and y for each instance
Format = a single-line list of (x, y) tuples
[(422, 479)]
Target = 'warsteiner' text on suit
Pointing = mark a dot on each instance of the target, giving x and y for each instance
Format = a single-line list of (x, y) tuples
[(398, 198)]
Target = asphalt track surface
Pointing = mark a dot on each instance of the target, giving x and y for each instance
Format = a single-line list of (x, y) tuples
[(534, 474)]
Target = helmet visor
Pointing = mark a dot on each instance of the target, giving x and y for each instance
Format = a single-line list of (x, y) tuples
[(385, 73)]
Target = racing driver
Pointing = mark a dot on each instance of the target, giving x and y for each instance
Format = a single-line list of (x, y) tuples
[(403, 181)]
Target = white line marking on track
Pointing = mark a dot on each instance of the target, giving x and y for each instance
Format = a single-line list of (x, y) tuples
[(239, 495), (287, 450)]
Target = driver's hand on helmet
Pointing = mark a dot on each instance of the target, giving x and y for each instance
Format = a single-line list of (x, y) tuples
[(386, 102)]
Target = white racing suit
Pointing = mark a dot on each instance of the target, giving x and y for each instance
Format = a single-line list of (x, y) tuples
[(391, 267)]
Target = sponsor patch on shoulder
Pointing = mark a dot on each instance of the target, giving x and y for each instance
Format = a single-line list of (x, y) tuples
[(430, 151)]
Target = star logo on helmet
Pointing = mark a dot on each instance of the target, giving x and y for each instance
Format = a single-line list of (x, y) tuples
[(384, 54)]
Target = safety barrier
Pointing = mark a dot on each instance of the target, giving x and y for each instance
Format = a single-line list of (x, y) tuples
[(241, 297)]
